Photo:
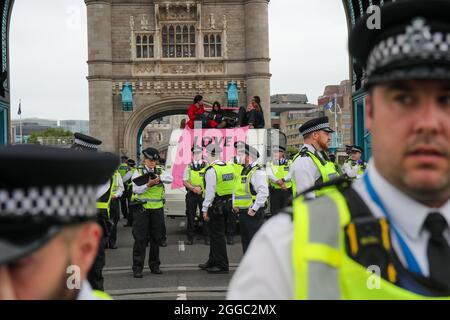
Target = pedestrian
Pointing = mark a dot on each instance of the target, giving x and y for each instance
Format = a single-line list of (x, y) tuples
[(354, 167), (385, 236), (148, 220), (311, 165), (250, 196), (277, 169), (194, 182), (219, 184), (48, 231)]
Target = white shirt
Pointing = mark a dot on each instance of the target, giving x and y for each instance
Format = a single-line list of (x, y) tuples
[(165, 177), (304, 172), (101, 190), (86, 292), (128, 175), (272, 245), (259, 183), (210, 190), (351, 171)]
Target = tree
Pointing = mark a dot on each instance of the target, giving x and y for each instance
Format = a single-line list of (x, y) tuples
[(51, 132)]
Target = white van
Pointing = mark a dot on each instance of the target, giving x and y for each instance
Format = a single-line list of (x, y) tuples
[(261, 139)]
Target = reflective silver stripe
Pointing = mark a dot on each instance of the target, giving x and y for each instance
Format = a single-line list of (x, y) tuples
[(150, 200), (242, 197), (324, 228)]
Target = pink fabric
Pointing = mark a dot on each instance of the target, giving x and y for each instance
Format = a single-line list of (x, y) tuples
[(203, 137)]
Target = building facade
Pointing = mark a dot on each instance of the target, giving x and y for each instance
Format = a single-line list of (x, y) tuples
[(290, 122), (81, 126), (342, 122), (170, 51)]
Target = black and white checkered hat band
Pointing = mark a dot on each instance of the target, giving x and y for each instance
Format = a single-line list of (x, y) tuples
[(58, 202), (86, 144), (416, 43), (316, 128)]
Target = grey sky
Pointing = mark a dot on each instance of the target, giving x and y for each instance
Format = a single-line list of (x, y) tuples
[(48, 53)]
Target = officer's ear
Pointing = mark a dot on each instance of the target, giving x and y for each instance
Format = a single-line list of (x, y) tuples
[(85, 240)]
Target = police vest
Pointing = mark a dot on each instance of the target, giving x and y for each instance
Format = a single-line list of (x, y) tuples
[(326, 169), (225, 179), (123, 169), (244, 195), (322, 267), (197, 176), (100, 295), (153, 197), (361, 167), (103, 203), (280, 172)]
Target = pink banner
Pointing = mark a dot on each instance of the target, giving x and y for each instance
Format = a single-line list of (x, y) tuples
[(203, 137)]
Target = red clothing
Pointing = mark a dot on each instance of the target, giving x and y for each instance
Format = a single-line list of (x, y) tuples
[(193, 111)]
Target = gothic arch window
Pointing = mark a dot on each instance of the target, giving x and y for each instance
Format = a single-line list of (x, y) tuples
[(178, 41), (145, 46), (212, 45)]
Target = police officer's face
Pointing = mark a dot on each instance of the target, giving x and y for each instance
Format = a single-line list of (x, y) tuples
[(356, 155), (410, 124), (149, 163), (323, 139), (44, 274), (277, 155), (197, 156)]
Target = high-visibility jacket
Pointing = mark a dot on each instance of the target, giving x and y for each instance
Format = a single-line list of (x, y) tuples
[(322, 267), (280, 172), (101, 295), (225, 178), (197, 176), (103, 203), (244, 195), (153, 197), (326, 168), (123, 169)]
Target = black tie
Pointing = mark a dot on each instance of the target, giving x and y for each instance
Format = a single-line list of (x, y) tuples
[(438, 250)]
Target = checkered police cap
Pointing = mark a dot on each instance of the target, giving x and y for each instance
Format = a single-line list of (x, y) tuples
[(412, 43)]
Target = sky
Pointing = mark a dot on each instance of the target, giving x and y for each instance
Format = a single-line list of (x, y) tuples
[(48, 53)]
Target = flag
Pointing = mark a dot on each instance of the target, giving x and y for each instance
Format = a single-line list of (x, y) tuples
[(328, 106), (20, 109)]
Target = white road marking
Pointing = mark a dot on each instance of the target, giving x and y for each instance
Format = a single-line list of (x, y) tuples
[(181, 247), (182, 295)]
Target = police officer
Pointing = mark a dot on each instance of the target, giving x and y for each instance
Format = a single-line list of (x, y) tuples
[(354, 167), (250, 196), (105, 193), (129, 189), (123, 170), (117, 192), (277, 169), (333, 159), (311, 166), (48, 229), (395, 220), (238, 164), (219, 184), (148, 220), (194, 183)]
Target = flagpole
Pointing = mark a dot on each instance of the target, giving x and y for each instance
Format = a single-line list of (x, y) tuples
[(20, 121)]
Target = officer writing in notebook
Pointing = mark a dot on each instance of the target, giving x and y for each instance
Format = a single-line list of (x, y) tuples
[(395, 220)]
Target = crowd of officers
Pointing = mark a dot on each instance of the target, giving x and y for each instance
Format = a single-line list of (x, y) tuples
[(219, 195)]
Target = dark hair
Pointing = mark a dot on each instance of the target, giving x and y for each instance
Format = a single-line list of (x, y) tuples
[(258, 103), (198, 98), (216, 104)]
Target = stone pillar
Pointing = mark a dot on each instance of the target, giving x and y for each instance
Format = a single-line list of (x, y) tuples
[(101, 116), (257, 53)]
